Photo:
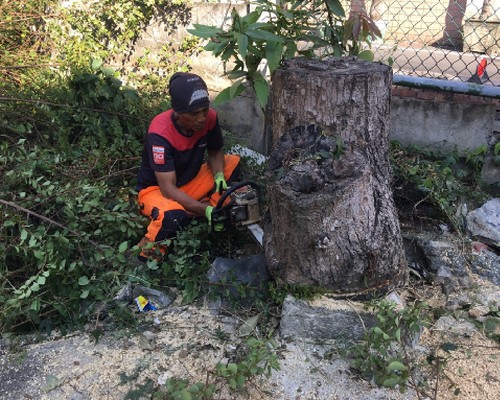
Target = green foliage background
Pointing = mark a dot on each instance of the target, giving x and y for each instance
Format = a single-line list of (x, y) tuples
[(71, 129)]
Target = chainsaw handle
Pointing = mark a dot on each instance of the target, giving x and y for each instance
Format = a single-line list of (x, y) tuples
[(228, 192)]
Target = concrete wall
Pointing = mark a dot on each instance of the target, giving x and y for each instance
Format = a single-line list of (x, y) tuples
[(426, 118), (444, 121)]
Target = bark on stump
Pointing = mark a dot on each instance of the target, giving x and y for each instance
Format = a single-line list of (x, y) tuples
[(333, 219)]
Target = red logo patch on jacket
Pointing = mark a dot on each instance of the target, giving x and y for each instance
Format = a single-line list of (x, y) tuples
[(158, 154)]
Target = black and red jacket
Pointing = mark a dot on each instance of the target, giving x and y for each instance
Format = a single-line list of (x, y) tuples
[(166, 149)]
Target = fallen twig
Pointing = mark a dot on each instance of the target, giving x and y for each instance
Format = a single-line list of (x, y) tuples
[(44, 218)]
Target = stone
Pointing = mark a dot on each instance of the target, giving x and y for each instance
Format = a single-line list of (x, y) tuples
[(147, 341), (324, 319), (486, 264), (478, 312), (449, 324), (438, 258), (233, 275), (484, 222)]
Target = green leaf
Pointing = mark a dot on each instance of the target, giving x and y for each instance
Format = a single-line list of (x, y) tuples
[(398, 334), (83, 281), (251, 18), (235, 89), (396, 366), (84, 294), (185, 395), (38, 254), (240, 380), (108, 253), (261, 89), (152, 264), (390, 382), (217, 48), (204, 31), (274, 52), (232, 367), (195, 388), (242, 45), (336, 8), (229, 93), (41, 279), (366, 55), (247, 328), (24, 235), (264, 35), (122, 248), (490, 325), (35, 305), (108, 72), (378, 331), (96, 64)]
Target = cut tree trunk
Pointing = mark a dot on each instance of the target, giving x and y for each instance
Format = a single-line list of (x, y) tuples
[(333, 219)]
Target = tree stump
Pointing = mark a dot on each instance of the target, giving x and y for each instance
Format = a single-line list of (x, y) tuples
[(333, 219)]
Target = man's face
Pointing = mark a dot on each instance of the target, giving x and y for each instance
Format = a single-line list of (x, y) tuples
[(193, 121)]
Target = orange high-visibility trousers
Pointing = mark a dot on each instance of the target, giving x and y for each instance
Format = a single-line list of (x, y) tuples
[(166, 215)]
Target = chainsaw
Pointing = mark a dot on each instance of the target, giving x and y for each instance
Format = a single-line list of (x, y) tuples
[(239, 206)]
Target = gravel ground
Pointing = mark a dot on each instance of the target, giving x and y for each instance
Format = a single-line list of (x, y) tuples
[(188, 341), (183, 343)]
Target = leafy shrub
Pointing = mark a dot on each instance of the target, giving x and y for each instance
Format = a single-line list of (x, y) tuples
[(446, 181), (381, 354), (71, 134), (188, 261), (60, 236), (67, 202)]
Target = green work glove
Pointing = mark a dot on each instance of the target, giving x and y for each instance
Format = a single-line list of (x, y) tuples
[(218, 226), (220, 182), (208, 214)]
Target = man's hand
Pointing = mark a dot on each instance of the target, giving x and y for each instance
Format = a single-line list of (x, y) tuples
[(208, 214), (217, 226), (220, 182)]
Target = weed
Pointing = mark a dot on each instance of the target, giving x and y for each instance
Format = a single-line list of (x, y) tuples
[(259, 359), (447, 181), (381, 353)]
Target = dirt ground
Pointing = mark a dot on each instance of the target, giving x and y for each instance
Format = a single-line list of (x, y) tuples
[(468, 360), (188, 341)]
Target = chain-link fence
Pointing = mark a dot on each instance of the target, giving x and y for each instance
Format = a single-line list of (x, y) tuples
[(444, 39)]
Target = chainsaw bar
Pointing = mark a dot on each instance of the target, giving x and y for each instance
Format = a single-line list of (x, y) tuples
[(257, 232)]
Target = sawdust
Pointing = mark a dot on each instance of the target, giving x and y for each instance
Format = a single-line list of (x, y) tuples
[(471, 367), (188, 341), (187, 344)]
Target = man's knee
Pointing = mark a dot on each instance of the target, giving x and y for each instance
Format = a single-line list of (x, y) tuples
[(172, 222)]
